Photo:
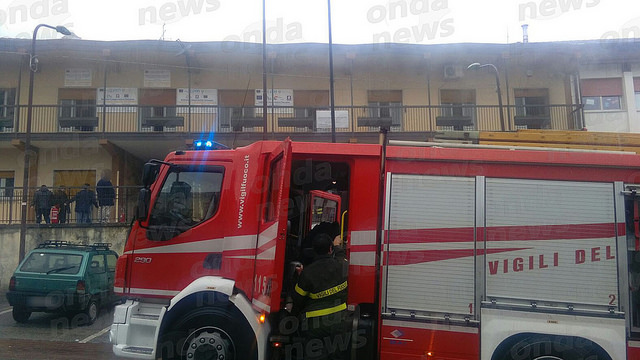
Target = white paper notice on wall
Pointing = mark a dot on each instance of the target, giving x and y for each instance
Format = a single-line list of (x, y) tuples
[(157, 78), (275, 97), (323, 119), (117, 98), (77, 77), (590, 102), (204, 101)]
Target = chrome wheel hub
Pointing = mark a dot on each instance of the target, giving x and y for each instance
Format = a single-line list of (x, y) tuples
[(208, 344)]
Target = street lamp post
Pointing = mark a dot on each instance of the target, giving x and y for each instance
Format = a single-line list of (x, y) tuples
[(264, 70), (495, 70), (331, 81), (33, 67)]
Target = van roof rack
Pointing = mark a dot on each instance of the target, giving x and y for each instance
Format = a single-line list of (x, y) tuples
[(49, 244)]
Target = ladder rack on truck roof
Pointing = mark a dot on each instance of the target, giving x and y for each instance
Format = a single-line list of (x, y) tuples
[(495, 147), (584, 140)]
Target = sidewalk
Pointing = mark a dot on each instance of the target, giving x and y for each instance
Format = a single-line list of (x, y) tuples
[(53, 350)]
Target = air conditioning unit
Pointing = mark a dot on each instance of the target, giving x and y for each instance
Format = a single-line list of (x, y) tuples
[(452, 72)]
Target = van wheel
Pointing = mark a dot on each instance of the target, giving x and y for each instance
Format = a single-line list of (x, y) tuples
[(209, 333), (91, 311), (20, 315)]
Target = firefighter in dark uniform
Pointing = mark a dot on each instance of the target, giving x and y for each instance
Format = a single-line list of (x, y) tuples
[(320, 298)]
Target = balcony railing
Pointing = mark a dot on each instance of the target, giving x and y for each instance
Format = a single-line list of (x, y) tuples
[(11, 211), (224, 119)]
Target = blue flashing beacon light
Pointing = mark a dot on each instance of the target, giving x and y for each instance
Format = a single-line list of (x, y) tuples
[(208, 145)]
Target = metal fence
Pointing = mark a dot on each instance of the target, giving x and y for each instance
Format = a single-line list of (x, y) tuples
[(11, 210), (224, 119)]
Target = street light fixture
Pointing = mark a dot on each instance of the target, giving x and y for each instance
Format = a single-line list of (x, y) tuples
[(495, 71), (33, 66)]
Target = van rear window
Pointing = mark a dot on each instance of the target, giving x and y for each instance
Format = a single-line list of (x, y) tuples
[(52, 263)]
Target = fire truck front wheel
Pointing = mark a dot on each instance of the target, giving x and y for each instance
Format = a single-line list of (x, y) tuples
[(209, 333)]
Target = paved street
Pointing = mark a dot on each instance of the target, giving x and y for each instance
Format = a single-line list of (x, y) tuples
[(52, 337)]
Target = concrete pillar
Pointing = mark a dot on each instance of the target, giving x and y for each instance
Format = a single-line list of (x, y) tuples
[(630, 101)]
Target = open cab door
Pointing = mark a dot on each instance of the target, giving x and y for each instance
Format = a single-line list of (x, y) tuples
[(272, 235)]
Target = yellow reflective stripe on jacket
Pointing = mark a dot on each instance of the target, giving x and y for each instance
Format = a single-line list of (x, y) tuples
[(327, 311), (328, 292), (300, 291)]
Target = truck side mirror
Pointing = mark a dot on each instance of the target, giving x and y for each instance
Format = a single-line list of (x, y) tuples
[(142, 208), (150, 173)]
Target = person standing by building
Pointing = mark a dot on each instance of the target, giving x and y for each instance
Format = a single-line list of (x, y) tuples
[(106, 197), (84, 199), (320, 298), (61, 201), (42, 203)]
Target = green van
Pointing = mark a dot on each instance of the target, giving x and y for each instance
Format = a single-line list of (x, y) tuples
[(59, 276)]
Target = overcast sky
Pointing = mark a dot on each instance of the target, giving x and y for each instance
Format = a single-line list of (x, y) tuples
[(353, 21)]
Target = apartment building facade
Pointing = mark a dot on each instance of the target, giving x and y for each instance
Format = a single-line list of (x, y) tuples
[(610, 85), (114, 105)]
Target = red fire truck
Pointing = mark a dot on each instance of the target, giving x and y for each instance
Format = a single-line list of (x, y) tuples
[(455, 253)]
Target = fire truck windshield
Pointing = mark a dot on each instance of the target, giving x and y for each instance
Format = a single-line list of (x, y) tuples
[(188, 197)]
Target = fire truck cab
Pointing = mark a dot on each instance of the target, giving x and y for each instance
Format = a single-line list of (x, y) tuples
[(454, 253)]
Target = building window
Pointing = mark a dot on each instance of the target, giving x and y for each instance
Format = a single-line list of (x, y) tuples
[(308, 101), (636, 89), (458, 102), (236, 110), (386, 104), (458, 110), (158, 110), (77, 109), (532, 109), (7, 107), (6, 183), (594, 103), (611, 103), (532, 102), (602, 94), (7, 102)]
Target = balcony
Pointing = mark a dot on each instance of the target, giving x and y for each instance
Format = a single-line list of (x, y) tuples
[(11, 197), (229, 119)]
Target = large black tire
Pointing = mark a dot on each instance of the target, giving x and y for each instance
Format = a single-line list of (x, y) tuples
[(20, 315), (547, 347), (212, 332)]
